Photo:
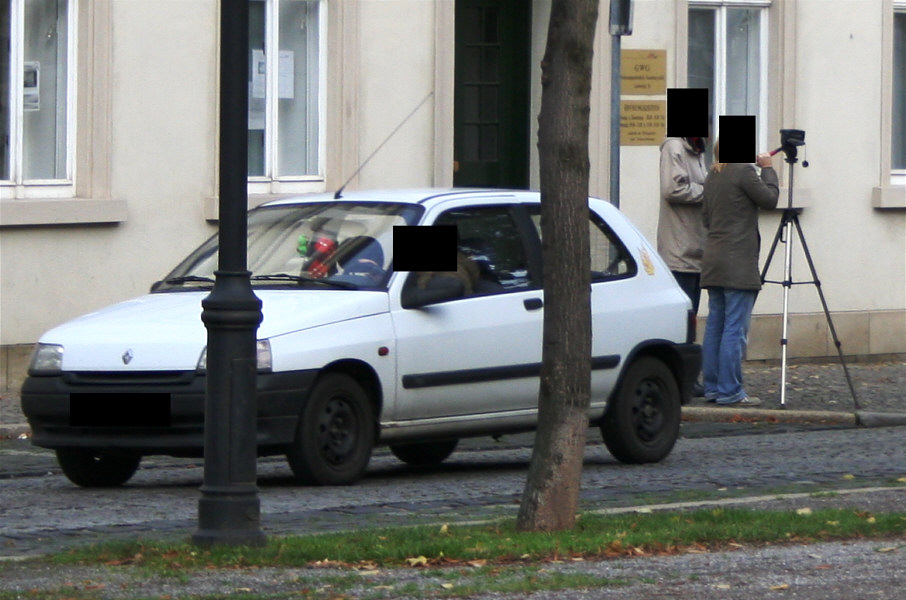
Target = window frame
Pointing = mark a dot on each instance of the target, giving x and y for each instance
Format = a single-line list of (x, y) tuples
[(271, 183), (897, 176), (18, 187), (718, 94), (86, 199)]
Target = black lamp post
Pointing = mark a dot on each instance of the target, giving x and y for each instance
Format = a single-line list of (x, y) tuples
[(229, 508)]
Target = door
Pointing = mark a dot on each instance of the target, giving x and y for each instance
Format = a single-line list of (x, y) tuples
[(480, 353), (491, 93)]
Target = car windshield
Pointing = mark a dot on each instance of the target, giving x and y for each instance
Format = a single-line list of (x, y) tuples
[(325, 245)]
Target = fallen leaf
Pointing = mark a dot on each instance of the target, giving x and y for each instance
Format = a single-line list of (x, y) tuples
[(447, 586), (444, 529), (478, 563), (849, 476), (782, 586), (887, 549), (417, 561), (722, 586), (804, 511)]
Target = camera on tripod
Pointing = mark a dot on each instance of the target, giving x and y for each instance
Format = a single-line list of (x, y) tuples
[(790, 140)]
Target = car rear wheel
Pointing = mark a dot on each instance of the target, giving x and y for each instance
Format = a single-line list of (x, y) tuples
[(424, 454), (642, 424), (87, 468), (335, 434)]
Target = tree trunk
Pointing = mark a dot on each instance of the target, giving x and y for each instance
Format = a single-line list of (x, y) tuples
[(551, 496)]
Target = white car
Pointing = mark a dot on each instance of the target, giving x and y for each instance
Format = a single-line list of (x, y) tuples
[(352, 353)]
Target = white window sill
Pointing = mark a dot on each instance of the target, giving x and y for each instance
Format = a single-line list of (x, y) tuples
[(58, 211), (889, 196), (259, 193)]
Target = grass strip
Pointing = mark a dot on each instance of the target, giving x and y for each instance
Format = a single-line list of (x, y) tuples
[(595, 536)]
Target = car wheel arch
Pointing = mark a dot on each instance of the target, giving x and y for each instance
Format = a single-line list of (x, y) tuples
[(662, 350), (365, 375)]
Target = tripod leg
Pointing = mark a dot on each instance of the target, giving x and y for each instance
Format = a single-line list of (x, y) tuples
[(827, 315), (777, 237), (787, 284)]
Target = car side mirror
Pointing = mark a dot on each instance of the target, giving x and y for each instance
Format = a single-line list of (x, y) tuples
[(439, 289)]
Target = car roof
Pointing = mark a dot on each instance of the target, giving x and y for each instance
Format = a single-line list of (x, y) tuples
[(429, 197), (423, 196)]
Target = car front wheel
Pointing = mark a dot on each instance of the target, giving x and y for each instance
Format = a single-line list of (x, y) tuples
[(335, 434), (642, 424), (87, 468)]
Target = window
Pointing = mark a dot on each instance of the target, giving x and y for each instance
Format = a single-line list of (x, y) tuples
[(727, 54), (284, 92), (36, 93), (490, 238), (898, 138), (609, 257)]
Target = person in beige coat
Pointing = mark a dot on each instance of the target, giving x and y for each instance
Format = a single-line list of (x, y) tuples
[(680, 232), (733, 195)]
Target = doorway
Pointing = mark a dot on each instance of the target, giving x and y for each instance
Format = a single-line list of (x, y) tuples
[(492, 93)]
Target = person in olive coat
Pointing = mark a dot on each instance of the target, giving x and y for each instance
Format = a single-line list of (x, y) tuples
[(733, 195)]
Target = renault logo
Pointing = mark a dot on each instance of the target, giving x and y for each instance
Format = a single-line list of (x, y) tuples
[(127, 356)]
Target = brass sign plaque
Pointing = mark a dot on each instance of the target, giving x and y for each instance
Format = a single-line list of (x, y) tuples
[(643, 122), (643, 72)]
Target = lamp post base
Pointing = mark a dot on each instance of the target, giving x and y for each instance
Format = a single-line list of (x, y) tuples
[(229, 518)]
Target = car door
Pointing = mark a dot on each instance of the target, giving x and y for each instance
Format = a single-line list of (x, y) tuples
[(613, 303), (479, 353)]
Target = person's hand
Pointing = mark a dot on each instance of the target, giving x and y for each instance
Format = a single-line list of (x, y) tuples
[(763, 160)]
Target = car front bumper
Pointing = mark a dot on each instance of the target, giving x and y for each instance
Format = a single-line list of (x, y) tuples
[(174, 426)]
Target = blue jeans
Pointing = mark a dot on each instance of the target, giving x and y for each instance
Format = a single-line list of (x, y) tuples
[(726, 332)]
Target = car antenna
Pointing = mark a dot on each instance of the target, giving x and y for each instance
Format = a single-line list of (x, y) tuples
[(339, 193)]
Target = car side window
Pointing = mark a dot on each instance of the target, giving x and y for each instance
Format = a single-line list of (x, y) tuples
[(490, 249), (609, 257)]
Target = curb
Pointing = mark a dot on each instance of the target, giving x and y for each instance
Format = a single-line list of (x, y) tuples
[(878, 419), (761, 415), (816, 417)]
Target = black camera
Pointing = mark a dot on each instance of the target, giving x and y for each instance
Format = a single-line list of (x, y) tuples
[(790, 138)]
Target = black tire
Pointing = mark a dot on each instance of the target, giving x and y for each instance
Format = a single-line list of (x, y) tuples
[(642, 424), (424, 454), (87, 468), (335, 434)]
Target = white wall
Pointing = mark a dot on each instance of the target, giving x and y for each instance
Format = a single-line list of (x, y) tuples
[(162, 165)]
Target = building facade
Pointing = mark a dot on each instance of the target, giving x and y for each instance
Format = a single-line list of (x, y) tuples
[(110, 112)]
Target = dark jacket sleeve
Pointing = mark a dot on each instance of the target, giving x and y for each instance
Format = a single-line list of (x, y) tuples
[(763, 191)]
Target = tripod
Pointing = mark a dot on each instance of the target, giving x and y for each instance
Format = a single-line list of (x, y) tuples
[(784, 234)]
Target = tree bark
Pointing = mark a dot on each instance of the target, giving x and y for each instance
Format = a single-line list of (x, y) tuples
[(551, 496)]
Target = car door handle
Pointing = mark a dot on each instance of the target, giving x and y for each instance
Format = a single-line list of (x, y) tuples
[(533, 303)]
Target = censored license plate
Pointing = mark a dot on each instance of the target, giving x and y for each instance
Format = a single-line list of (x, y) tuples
[(119, 410)]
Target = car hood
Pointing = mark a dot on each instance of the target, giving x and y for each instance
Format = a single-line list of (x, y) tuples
[(164, 331)]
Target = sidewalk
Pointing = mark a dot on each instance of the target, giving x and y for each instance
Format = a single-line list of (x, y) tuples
[(816, 391)]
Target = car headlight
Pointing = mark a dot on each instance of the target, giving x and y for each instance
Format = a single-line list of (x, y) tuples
[(265, 359), (263, 354), (47, 359)]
